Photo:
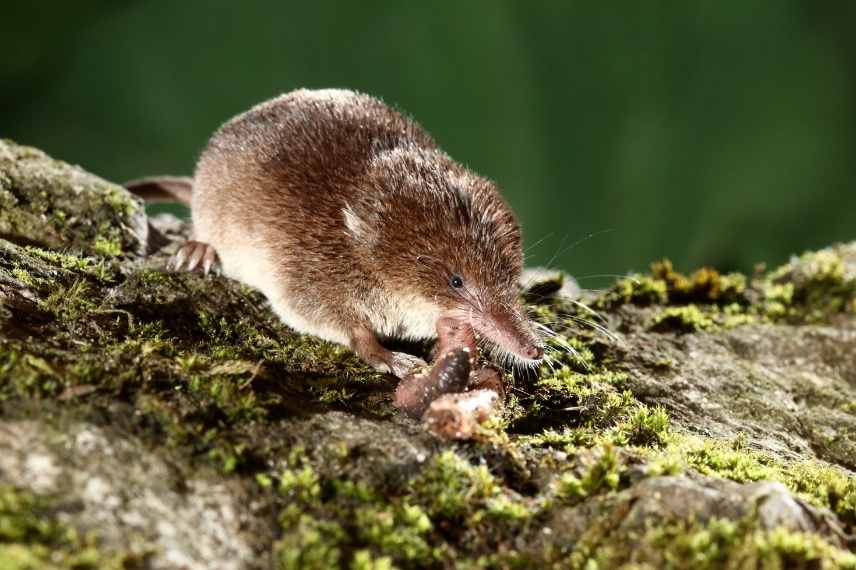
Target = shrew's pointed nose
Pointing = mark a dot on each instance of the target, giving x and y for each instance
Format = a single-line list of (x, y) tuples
[(534, 352)]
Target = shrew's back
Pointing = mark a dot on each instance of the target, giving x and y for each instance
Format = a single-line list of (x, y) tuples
[(305, 143)]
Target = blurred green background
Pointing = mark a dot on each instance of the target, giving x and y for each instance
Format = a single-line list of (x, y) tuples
[(718, 133)]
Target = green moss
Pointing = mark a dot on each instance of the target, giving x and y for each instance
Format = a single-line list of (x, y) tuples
[(154, 277), (25, 374), (787, 549), (335, 395), (735, 315), (228, 395), (70, 303), (665, 285), (24, 276), (32, 539), (87, 265), (363, 560), (645, 427), (504, 510), (301, 484), (575, 392), (696, 318), (812, 287), (562, 350), (400, 531), (598, 471), (367, 525), (664, 465), (120, 200), (451, 488), (665, 363), (588, 401), (821, 484), (718, 544), (686, 319), (636, 289), (107, 246), (712, 457), (409, 527), (20, 521), (706, 285), (217, 329), (309, 544), (776, 299)]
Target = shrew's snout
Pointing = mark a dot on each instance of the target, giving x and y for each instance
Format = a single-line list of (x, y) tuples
[(511, 332), (533, 352)]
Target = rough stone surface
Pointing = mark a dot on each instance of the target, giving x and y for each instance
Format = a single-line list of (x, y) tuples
[(787, 392), (53, 204), (155, 420), (111, 484)]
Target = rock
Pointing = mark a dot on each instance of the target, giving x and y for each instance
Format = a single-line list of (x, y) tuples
[(631, 518), (51, 204), (784, 387), (135, 500), (539, 283), (158, 420)]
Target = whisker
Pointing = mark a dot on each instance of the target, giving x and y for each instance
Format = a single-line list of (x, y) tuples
[(550, 362), (544, 329), (588, 309), (562, 250), (599, 276), (522, 391), (598, 327), (555, 255), (537, 243)]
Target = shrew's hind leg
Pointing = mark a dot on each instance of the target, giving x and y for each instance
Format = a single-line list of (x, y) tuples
[(365, 344), (193, 256)]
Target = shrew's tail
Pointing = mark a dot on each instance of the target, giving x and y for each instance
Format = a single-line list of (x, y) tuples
[(162, 188)]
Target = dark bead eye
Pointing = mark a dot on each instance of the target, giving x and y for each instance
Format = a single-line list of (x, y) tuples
[(456, 282)]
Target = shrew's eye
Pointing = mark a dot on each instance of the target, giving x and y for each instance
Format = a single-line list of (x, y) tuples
[(456, 282)]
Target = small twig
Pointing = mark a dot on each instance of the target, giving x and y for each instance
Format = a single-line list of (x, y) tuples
[(246, 383)]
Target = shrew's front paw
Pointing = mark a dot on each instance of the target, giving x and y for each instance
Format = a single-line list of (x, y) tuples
[(402, 364), (193, 256)]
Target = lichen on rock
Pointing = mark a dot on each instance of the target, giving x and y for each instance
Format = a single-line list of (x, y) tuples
[(54, 205), (158, 420)]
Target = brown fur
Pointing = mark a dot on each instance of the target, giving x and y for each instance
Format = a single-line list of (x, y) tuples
[(274, 184)]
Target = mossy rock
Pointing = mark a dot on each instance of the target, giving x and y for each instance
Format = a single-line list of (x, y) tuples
[(54, 205), (156, 420)]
